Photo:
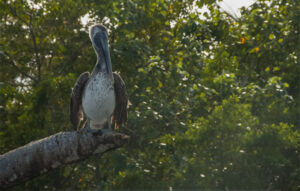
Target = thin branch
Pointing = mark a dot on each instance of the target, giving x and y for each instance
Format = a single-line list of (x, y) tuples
[(33, 37), (14, 13), (66, 179), (51, 58), (36, 51), (14, 64)]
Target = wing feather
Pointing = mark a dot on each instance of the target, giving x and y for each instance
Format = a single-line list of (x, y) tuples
[(120, 112), (76, 113)]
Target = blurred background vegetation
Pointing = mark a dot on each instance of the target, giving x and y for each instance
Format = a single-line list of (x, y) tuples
[(215, 99)]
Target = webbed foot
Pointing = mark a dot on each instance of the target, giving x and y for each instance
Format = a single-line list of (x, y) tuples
[(97, 133), (106, 131)]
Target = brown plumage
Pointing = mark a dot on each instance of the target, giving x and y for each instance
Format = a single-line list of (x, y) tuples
[(119, 116), (120, 112), (76, 112)]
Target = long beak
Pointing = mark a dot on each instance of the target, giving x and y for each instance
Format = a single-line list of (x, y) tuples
[(107, 59)]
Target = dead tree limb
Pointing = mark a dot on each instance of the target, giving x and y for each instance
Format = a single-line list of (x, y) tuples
[(41, 156)]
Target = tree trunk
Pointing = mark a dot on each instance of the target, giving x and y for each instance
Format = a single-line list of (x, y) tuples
[(40, 156)]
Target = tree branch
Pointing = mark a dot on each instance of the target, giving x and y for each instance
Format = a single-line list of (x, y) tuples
[(36, 51), (14, 64), (41, 156), (32, 35)]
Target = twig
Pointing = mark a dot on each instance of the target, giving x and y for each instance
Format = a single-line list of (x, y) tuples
[(36, 51), (13, 63)]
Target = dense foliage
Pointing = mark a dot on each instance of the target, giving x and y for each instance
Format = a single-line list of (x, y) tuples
[(215, 99)]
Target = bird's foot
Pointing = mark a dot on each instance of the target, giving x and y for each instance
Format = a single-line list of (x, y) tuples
[(106, 131), (96, 132), (101, 132)]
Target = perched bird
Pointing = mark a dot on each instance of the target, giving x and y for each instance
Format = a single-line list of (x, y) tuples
[(101, 96)]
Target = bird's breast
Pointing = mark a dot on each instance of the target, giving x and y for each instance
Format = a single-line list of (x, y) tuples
[(98, 99)]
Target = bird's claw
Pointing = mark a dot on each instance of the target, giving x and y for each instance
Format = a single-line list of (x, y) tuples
[(106, 131)]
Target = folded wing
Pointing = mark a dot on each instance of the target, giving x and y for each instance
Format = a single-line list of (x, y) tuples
[(120, 112), (76, 113)]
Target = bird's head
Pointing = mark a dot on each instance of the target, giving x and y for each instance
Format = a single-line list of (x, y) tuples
[(99, 37)]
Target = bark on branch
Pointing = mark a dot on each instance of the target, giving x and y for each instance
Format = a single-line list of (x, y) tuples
[(40, 156)]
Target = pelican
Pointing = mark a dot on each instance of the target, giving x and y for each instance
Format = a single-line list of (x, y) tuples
[(101, 97)]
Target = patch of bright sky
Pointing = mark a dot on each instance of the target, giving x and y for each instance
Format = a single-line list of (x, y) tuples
[(85, 19), (233, 6)]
